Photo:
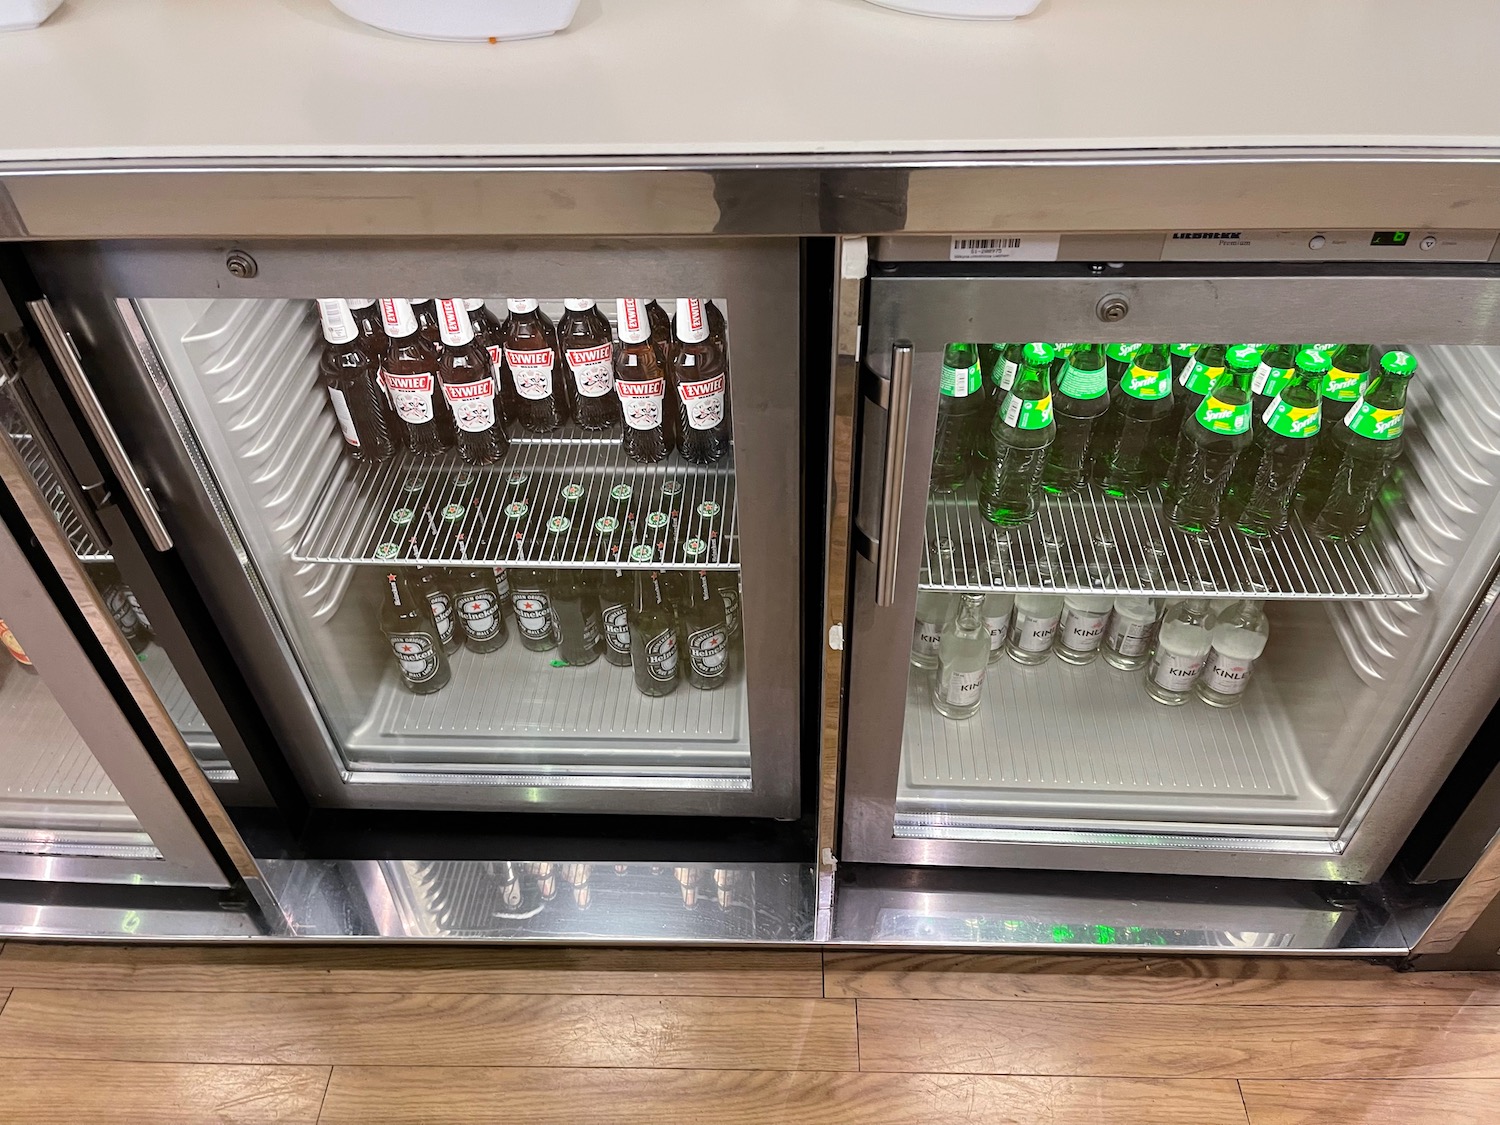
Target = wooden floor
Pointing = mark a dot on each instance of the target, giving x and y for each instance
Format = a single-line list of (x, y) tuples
[(450, 1037)]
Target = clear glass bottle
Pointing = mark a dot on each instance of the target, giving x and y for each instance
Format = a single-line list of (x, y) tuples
[(1182, 645), (1033, 626), (1131, 631), (997, 610), (1236, 643), (934, 608), (963, 658), (1080, 631)]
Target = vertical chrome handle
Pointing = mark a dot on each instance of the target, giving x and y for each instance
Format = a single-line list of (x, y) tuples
[(66, 355), (897, 418)]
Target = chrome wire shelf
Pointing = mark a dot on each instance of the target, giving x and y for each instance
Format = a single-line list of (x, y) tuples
[(394, 511), (1087, 541), (84, 545)]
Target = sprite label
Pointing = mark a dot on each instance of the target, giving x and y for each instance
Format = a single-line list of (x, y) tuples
[(1220, 417), (1083, 384), (1141, 383), (1292, 421), (1200, 377), (960, 382), (1026, 413), (1372, 422), (1343, 386), (1269, 380)]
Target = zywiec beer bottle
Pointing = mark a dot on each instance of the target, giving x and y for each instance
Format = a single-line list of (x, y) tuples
[(433, 585), (1346, 379), (653, 635), (1020, 436), (407, 623), (1124, 460), (366, 313), (122, 605), (1198, 377), (532, 602), (350, 373), (575, 607), (535, 367), (469, 387), (661, 332), (410, 374), (614, 592), (1212, 439), (588, 347), (961, 405), (707, 633), (641, 383), (1081, 399), (490, 333), (702, 386), (1266, 476), (1277, 363), (425, 310), (1338, 505)]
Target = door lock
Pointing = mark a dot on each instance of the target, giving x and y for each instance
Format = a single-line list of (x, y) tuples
[(1112, 308)]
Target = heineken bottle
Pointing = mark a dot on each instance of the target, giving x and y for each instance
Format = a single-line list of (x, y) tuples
[(961, 401), (1212, 438), (1266, 476), (1122, 460), (1367, 441), (1346, 378), (1277, 363), (1198, 377), (1019, 438), (1082, 397)]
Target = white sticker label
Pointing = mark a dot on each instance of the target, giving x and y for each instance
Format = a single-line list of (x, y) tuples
[(1176, 671), (703, 401), (998, 626), (473, 405), (532, 372), (1006, 248), (925, 637), (593, 369), (1130, 638), (341, 411), (1008, 369), (641, 402), (960, 689), (1227, 675), (411, 395), (1083, 632), (1034, 634)]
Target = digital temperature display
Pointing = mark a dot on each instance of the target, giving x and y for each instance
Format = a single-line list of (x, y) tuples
[(1390, 238)]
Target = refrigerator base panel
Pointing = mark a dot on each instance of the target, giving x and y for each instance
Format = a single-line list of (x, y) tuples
[(1064, 746), (514, 711), (185, 714)]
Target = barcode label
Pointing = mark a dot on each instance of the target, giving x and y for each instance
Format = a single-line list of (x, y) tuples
[(1005, 248)]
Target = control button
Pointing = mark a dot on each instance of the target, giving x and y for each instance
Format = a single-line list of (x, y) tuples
[(1428, 243), (1317, 242)]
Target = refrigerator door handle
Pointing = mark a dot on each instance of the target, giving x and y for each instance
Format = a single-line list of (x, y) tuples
[(898, 415), (66, 354)]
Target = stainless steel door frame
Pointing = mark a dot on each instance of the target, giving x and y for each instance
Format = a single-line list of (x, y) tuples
[(1441, 305), (79, 689), (759, 280)]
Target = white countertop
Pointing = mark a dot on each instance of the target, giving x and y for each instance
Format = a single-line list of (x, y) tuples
[(214, 78)]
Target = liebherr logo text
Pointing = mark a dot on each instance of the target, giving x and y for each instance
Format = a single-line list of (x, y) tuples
[(1213, 235)]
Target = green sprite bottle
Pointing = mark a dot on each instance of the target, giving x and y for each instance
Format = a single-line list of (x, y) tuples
[(1019, 438), (1212, 439), (1181, 354), (1123, 457), (961, 400), (1117, 359), (1346, 378), (1081, 398), (1368, 441), (1277, 362), (1265, 477), (1198, 377)]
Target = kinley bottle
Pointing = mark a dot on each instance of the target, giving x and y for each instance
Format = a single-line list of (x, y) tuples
[(1033, 627), (1237, 642), (934, 608), (1266, 477), (653, 634), (530, 345), (963, 658), (407, 623), (1080, 631), (641, 383), (1144, 402), (1020, 436), (350, 373), (469, 386), (410, 375), (1213, 436), (588, 347), (1132, 628), (701, 381), (1182, 645)]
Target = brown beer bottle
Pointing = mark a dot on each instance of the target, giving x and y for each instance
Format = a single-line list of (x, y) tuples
[(489, 332), (702, 387), (350, 373), (425, 310), (410, 374), (530, 343), (661, 332), (641, 383), (588, 347), (469, 387)]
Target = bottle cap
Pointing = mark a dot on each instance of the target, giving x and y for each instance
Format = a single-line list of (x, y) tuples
[(606, 525), (472, 303), (694, 548), (572, 491), (635, 327), (1313, 359), (454, 512), (577, 304), (396, 314), (453, 322), (516, 509), (521, 304), (402, 516), (708, 509), (359, 302), (1244, 357), (621, 492), (642, 552), (671, 488), (1398, 362), (692, 322), (517, 479), (657, 520), (559, 524), (387, 550), (1038, 355)]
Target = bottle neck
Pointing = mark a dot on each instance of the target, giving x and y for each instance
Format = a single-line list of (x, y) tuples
[(635, 324), (397, 316), (339, 326), (692, 321), (454, 326)]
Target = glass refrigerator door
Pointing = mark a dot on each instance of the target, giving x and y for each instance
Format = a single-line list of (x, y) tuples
[(1111, 652), (565, 577)]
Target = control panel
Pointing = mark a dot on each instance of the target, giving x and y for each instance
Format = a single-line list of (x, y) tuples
[(1328, 245)]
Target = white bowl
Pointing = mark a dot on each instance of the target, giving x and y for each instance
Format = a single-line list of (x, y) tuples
[(963, 9), (17, 15), (463, 19)]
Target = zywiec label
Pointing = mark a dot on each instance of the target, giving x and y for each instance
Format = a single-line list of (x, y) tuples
[(593, 369), (1083, 631), (497, 360), (1130, 638), (1220, 417), (1026, 413), (417, 656), (1034, 634), (1176, 671), (1200, 377), (341, 412), (708, 652), (1144, 384), (1269, 380), (617, 629), (533, 614), (1083, 384), (411, 395), (480, 612), (473, 405), (961, 382), (1343, 386), (1371, 422), (640, 401), (1226, 675), (531, 371), (442, 613), (961, 689), (1292, 421), (661, 656), (925, 637), (998, 627), (703, 402)]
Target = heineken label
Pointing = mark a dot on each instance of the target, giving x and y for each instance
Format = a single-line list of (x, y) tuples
[(731, 598), (1372, 422), (1269, 380), (1292, 421), (708, 652), (960, 382), (1027, 414), (661, 656), (1007, 370), (480, 612), (533, 614), (417, 655), (1144, 384), (442, 614), (1220, 417), (617, 629), (1343, 386), (1200, 377), (1083, 384)]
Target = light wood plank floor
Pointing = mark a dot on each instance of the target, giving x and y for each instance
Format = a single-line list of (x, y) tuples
[(429, 1036)]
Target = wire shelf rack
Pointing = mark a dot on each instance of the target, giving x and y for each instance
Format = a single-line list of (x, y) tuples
[(395, 511), (84, 545), (1086, 541)]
